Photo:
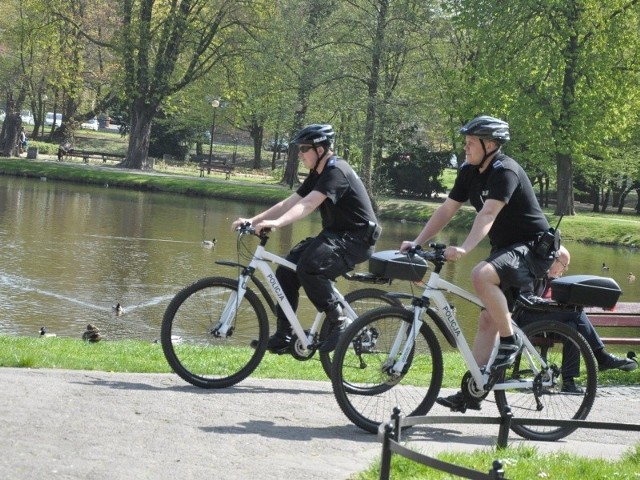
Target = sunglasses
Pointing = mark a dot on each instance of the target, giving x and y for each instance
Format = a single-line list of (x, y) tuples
[(564, 265), (305, 148)]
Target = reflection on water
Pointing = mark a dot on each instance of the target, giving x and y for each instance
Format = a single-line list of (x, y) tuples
[(69, 253)]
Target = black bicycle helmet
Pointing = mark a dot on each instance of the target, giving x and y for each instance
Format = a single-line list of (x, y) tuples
[(487, 128), (316, 134)]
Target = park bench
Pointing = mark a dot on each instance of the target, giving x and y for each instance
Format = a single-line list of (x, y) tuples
[(212, 164), (623, 315), (87, 154)]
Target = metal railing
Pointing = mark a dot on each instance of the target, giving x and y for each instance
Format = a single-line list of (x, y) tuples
[(389, 434)]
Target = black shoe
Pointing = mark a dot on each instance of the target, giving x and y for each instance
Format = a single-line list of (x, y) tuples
[(458, 403), (279, 342), (611, 362), (569, 386), (336, 329), (507, 353)]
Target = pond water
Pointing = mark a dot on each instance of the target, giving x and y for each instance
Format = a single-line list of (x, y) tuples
[(69, 253)]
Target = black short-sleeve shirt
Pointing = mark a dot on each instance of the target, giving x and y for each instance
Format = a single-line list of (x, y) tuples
[(347, 206), (521, 219)]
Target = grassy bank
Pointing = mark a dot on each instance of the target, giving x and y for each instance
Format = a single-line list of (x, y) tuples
[(245, 185), (137, 356)]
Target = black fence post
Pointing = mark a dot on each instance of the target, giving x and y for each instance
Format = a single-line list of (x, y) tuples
[(505, 426), (385, 463), (395, 417), (496, 471)]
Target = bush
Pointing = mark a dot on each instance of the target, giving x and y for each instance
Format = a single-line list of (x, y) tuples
[(416, 172)]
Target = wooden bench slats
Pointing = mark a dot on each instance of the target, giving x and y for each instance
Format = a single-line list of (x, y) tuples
[(613, 321), (87, 154), (628, 308), (620, 340), (624, 314)]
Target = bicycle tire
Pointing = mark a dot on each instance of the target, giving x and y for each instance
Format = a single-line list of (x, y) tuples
[(190, 346), (361, 301), (551, 338), (365, 392)]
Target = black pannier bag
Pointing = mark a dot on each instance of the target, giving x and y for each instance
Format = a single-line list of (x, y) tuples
[(586, 290), (397, 266)]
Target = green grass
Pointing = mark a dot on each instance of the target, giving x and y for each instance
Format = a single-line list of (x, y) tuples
[(144, 357), (522, 462)]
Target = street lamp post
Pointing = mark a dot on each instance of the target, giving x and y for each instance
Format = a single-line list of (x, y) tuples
[(43, 115), (215, 104)]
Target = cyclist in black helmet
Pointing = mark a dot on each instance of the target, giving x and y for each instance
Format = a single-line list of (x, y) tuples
[(349, 231), (508, 212)]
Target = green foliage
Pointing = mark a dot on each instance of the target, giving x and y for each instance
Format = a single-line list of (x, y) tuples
[(416, 172), (170, 137)]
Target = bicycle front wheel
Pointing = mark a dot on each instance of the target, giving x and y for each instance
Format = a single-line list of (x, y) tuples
[(364, 385), (571, 365), (361, 301), (195, 349)]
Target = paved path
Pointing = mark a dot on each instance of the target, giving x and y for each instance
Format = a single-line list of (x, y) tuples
[(94, 425)]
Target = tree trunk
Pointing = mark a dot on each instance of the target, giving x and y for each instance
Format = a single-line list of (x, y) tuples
[(565, 203), (372, 95), (257, 134), (140, 135), (606, 193), (291, 169), (595, 198)]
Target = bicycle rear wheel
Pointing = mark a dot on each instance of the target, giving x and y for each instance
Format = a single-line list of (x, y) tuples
[(571, 362), (362, 384), (193, 348), (361, 301)]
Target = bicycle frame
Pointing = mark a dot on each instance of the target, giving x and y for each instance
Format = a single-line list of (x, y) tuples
[(433, 297), (260, 262)]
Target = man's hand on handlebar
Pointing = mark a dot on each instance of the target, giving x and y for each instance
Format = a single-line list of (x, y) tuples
[(240, 222), (406, 246), (265, 226), (453, 254)]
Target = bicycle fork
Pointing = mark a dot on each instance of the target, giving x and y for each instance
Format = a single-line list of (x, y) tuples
[(225, 325), (407, 333)]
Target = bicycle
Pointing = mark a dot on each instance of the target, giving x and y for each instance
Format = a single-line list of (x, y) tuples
[(391, 357), (214, 332)]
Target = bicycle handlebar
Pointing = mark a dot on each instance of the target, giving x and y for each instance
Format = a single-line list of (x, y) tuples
[(435, 256), (248, 229)]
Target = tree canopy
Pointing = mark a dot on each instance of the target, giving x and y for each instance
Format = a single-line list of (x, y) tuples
[(389, 75)]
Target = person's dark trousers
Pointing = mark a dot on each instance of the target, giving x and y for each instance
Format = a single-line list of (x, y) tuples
[(577, 320), (320, 260)]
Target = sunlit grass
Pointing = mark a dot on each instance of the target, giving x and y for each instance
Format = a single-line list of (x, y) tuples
[(145, 357), (522, 462)]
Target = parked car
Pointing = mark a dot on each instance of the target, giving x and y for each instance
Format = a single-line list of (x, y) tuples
[(283, 145), (90, 124), (49, 118), (27, 117)]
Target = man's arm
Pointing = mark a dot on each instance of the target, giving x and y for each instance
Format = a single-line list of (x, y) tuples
[(482, 224), (440, 218), (290, 211), (271, 213)]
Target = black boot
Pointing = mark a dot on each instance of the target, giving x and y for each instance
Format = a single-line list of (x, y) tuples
[(279, 341), (337, 322)]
